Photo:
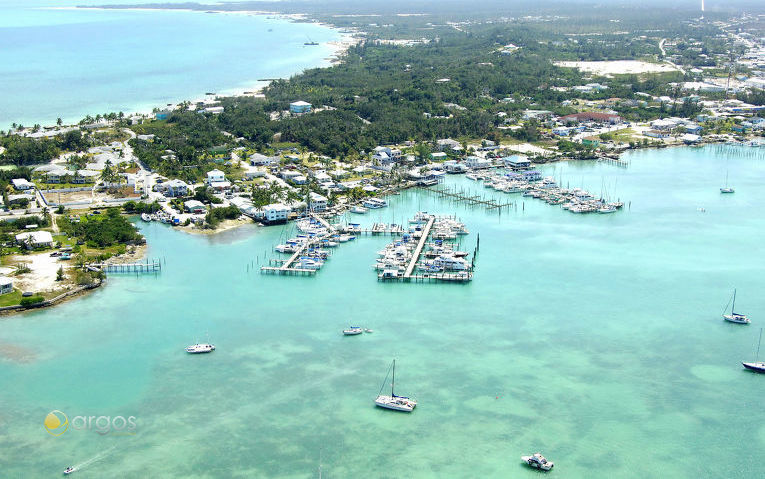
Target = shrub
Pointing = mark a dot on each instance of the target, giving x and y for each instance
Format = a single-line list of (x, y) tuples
[(31, 300)]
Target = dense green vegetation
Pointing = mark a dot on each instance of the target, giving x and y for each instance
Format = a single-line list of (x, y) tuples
[(22, 150), (101, 230), (216, 215)]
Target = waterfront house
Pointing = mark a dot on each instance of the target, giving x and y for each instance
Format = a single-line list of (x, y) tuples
[(300, 107), (194, 207), (517, 162), (6, 285), (215, 176), (22, 184), (318, 202), (477, 163), (275, 213), (175, 188), (656, 133), (35, 239)]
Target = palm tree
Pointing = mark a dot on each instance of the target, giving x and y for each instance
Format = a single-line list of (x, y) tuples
[(59, 121)]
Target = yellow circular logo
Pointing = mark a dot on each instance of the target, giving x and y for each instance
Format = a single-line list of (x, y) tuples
[(56, 423)]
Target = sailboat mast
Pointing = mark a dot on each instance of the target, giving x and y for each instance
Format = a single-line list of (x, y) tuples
[(733, 308), (757, 357), (392, 383)]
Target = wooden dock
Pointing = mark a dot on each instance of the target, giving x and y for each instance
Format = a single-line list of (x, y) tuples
[(127, 268), (471, 200), (285, 267), (418, 250)]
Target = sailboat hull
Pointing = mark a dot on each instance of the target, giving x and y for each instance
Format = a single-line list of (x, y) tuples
[(736, 318), (396, 403), (756, 367)]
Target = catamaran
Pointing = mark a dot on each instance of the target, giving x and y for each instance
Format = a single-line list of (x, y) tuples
[(757, 365), (726, 188), (735, 317), (397, 403)]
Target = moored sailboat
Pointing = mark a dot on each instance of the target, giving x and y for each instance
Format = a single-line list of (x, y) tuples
[(757, 365), (397, 403), (735, 317)]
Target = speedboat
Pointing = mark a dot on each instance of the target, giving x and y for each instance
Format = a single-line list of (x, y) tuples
[(367, 330), (358, 209), (200, 348), (68, 470), (538, 461), (146, 217), (353, 331)]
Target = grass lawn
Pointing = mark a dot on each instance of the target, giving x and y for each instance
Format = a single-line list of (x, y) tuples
[(10, 299)]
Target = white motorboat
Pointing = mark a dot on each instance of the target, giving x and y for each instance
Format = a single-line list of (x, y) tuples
[(306, 262), (396, 403), (735, 317), (285, 248), (359, 209), (756, 366), (69, 470), (471, 176), (146, 217), (607, 209), (353, 331), (200, 348), (538, 461), (367, 330)]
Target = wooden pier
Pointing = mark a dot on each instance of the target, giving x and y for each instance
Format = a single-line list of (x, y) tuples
[(285, 267), (128, 268), (616, 161), (471, 200), (418, 250)]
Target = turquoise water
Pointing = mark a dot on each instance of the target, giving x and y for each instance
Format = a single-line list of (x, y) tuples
[(596, 339), (70, 63)]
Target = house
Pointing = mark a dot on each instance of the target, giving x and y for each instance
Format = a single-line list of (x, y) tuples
[(6, 285), (252, 174), (560, 131), (477, 163), (517, 162), (22, 184), (299, 180), (438, 156), (448, 144), (300, 107), (656, 133), (275, 213), (664, 125), (257, 159), (597, 117), (322, 177), (82, 177), (175, 188), (318, 202), (215, 176), (194, 207), (35, 239), (339, 174)]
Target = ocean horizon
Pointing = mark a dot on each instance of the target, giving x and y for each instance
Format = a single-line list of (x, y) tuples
[(57, 61)]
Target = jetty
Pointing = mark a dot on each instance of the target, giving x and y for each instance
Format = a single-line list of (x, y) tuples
[(315, 241), (418, 248), (154, 266), (464, 196)]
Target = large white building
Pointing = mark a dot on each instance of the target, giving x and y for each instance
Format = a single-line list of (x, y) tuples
[(35, 239), (275, 213)]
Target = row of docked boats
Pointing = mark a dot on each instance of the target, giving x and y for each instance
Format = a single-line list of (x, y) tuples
[(162, 217), (575, 200)]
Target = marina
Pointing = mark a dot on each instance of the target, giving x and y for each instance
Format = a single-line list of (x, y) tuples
[(573, 338)]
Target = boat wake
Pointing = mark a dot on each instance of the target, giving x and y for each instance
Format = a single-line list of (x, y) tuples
[(97, 457)]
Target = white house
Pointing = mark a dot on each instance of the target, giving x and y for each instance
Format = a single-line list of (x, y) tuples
[(318, 202), (476, 162), (6, 285), (258, 159), (215, 176), (275, 213), (35, 239), (22, 184), (517, 162), (194, 207), (175, 188)]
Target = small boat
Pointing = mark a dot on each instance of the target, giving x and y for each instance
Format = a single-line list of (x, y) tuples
[(607, 209), (397, 403), (757, 366), (200, 348), (146, 217), (367, 330), (353, 331), (735, 317), (358, 209), (538, 461), (68, 470)]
